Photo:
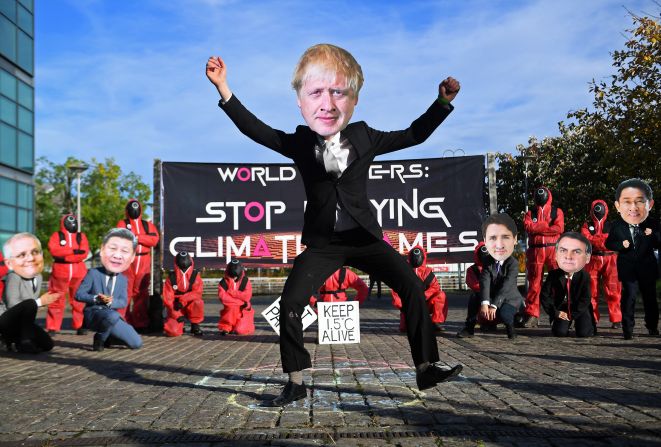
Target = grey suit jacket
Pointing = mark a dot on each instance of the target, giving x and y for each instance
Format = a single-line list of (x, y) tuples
[(18, 289)]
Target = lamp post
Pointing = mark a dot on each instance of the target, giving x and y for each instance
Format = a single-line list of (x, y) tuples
[(78, 168)]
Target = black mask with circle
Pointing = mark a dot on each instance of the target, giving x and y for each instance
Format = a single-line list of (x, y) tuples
[(483, 255), (183, 260), (416, 257), (599, 211), (70, 224), (133, 209), (234, 268), (541, 196)]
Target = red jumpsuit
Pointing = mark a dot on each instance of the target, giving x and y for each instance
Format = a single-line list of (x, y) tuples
[(188, 292), (335, 290), (436, 300), (603, 263), (3, 271), (235, 296), (139, 274), (69, 250), (543, 232)]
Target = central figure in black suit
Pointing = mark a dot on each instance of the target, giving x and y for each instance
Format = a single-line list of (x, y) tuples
[(340, 228)]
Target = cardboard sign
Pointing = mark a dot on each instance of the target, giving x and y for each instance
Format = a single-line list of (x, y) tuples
[(272, 315), (339, 323)]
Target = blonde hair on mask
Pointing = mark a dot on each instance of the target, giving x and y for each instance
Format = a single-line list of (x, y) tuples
[(326, 61)]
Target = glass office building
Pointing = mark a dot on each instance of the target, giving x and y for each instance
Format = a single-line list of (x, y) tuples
[(16, 117)]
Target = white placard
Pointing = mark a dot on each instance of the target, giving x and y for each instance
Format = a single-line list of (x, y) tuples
[(272, 315), (339, 322)]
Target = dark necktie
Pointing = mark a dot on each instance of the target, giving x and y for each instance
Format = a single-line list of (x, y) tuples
[(497, 268), (34, 285), (636, 234), (568, 297), (110, 284)]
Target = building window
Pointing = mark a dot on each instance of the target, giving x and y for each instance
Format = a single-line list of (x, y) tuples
[(7, 38), (7, 144), (7, 85), (25, 58), (25, 95), (25, 21)]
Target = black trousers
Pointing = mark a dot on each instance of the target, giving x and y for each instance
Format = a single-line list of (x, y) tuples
[(583, 324), (504, 313), (359, 249), (650, 305), (17, 324)]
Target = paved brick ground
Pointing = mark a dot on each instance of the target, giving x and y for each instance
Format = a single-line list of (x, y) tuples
[(535, 391)]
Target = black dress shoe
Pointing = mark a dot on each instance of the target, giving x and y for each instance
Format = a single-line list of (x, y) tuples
[(81, 331), (196, 330), (628, 335), (510, 331), (98, 344), (653, 331), (437, 327), (434, 375), (616, 325), (466, 333), (290, 393), (27, 347)]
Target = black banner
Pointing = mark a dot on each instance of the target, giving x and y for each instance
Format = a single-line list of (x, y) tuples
[(255, 211)]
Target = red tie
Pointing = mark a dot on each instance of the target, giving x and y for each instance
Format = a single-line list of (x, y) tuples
[(568, 297)]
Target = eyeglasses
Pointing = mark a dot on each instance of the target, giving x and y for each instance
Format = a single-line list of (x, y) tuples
[(23, 256)]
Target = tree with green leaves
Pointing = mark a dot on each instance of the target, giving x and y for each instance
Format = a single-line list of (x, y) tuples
[(619, 138), (104, 192)]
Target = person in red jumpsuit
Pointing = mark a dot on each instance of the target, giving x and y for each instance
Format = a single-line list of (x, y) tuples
[(335, 287), (235, 292), (139, 275), (182, 297), (436, 299), (69, 248), (544, 225), (603, 264)]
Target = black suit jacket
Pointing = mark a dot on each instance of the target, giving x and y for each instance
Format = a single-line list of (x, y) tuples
[(634, 263), (501, 288), (322, 189), (553, 296)]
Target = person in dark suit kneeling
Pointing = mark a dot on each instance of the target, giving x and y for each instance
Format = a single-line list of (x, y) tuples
[(499, 298), (104, 290), (566, 295)]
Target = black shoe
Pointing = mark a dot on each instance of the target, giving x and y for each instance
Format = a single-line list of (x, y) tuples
[(434, 375), (223, 333), (52, 332), (81, 331), (466, 333), (98, 344), (290, 393), (617, 325), (530, 321), (510, 331), (628, 335), (195, 330), (437, 327), (27, 347), (653, 331)]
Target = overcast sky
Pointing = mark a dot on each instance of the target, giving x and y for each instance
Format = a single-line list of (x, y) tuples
[(125, 78)]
